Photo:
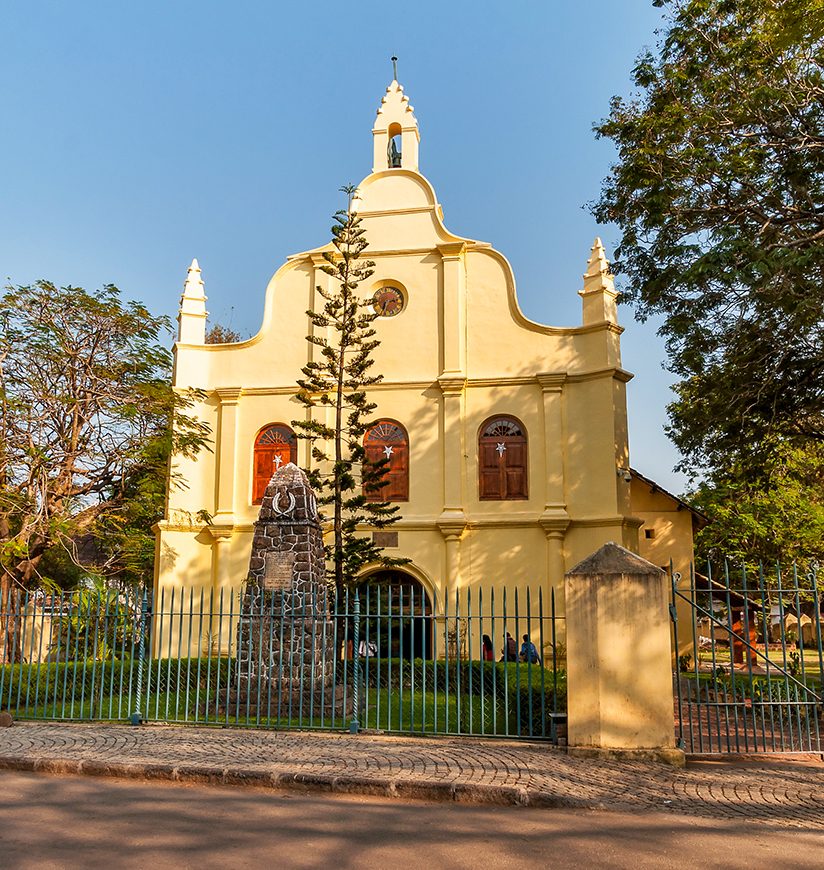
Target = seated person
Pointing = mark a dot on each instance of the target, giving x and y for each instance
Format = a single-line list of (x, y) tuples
[(510, 651), (529, 652)]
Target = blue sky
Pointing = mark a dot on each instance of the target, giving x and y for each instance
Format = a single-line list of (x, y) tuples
[(138, 136)]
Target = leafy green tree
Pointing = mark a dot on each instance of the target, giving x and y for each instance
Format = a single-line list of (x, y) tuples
[(776, 518), (338, 379), (718, 192), (97, 623), (88, 421)]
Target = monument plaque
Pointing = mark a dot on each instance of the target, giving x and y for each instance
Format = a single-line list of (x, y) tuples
[(277, 570)]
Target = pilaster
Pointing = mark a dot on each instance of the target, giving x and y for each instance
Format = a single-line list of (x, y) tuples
[(454, 308), (453, 405), (223, 583), (452, 521), (320, 279), (226, 459), (554, 519)]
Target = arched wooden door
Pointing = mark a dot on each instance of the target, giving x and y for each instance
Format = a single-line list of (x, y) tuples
[(388, 440), (275, 445), (502, 460)]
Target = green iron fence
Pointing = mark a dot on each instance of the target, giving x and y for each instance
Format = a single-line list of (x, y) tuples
[(750, 663), (378, 658)]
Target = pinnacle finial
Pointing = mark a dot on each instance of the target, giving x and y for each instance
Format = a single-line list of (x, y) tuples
[(394, 60), (599, 288), (597, 263), (193, 286), (191, 315)]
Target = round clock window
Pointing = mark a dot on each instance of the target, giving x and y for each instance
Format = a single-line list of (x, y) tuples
[(387, 301)]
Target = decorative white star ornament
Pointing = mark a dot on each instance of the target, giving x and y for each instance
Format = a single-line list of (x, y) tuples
[(388, 451), (501, 448), (278, 461)]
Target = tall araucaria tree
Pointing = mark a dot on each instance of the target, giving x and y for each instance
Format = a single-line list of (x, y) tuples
[(338, 379), (718, 192)]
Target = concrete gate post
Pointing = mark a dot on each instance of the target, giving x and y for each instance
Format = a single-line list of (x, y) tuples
[(619, 661)]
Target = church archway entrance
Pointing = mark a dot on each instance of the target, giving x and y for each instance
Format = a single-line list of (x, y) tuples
[(400, 621)]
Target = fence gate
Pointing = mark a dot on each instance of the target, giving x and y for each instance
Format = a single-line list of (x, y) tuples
[(748, 675)]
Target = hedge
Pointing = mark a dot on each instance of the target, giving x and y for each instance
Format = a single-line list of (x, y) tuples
[(71, 681)]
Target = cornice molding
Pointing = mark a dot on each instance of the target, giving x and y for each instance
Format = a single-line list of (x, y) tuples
[(600, 522), (434, 524), (615, 372), (415, 209), (448, 383)]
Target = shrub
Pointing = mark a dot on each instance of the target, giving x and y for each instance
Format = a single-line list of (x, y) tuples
[(24, 685)]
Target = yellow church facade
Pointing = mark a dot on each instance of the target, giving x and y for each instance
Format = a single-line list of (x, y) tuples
[(508, 438)]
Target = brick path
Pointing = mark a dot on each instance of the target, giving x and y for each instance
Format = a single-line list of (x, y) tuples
[(786, 793)]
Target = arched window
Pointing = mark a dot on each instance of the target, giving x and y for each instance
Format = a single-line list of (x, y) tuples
[(387, 440), (393, 149), (275, 445), (502, 460)]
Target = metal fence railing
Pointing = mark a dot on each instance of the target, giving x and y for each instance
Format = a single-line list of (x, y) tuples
[(750, 676), (377, 657)]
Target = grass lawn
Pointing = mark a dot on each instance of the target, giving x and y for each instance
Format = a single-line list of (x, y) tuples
[(812, 663), (517, 700)]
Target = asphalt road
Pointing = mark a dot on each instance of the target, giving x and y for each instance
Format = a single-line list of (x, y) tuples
[(57, 822)]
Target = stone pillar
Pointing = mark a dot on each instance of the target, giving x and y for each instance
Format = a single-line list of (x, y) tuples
[(619, 672), (285, 635)]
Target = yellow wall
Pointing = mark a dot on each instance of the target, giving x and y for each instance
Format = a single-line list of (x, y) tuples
[(459, 352), (671, 546)]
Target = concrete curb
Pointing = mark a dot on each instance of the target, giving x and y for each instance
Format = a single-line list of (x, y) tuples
[(397, 788)]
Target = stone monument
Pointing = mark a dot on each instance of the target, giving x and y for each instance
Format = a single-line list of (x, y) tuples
[(285, 635)]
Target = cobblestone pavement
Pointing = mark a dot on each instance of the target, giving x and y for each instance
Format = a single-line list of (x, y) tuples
[(785, 792)]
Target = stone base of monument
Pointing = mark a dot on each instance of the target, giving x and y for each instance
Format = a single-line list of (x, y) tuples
[(323, 706), (285, 658)]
